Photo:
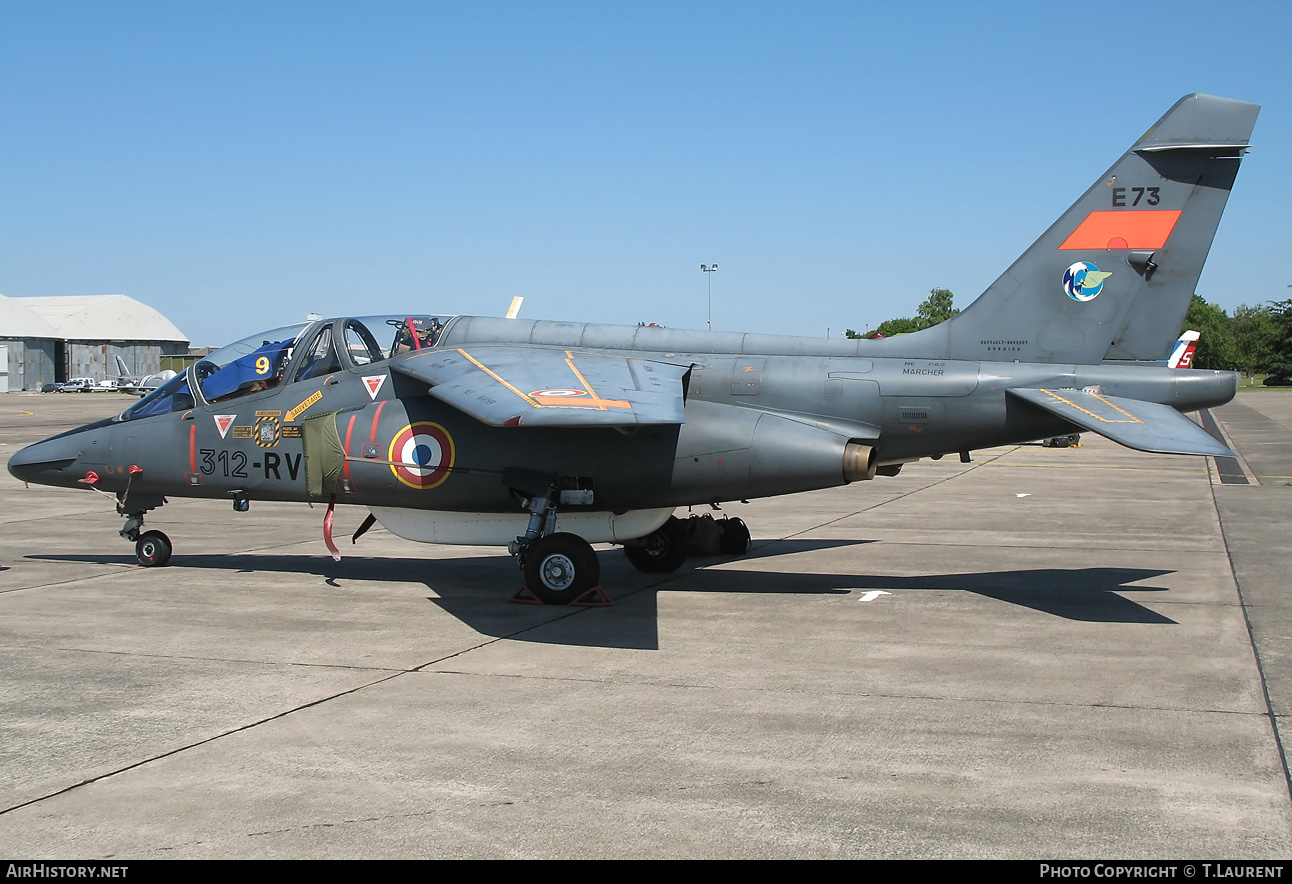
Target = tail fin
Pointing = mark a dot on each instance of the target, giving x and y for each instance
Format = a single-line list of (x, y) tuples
[(122, 373), (1182, 355), (1113, 277)]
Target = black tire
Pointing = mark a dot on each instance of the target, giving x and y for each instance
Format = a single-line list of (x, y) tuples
[(561, 567), (153, 549), (663, 550), (735, 537)]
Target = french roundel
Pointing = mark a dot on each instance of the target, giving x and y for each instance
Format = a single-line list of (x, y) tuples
[(560, 394), (421, 455)]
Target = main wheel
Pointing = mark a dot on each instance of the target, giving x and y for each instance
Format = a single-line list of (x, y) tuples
[(735, 537), (561, 567), (661, 551), (152, 549)]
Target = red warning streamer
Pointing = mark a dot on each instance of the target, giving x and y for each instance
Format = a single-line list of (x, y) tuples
[(327, 529)]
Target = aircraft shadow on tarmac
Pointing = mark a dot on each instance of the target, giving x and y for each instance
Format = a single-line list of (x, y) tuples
[(1084, 594), (474, 589)]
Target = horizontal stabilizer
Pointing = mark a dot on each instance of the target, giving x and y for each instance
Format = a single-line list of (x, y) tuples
[(506, 386), (1145, 426)]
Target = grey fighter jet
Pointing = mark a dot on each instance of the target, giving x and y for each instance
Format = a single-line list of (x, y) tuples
[(546, 436), (137, 385)]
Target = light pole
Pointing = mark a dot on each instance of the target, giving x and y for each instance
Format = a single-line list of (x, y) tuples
[(707, 271)]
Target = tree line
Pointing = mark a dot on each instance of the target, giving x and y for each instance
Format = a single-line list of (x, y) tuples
[(1255, 340), (934, 309)]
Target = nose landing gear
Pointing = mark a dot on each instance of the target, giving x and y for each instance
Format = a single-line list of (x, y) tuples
[(152, 548)]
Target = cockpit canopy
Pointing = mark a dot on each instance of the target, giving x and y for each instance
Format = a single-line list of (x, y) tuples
[(290, 354), (247, 366)]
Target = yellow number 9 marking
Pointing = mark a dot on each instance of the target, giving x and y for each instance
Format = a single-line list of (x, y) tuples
[(262, 365)]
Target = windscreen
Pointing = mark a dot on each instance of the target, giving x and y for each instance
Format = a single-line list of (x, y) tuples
[(174, 395)]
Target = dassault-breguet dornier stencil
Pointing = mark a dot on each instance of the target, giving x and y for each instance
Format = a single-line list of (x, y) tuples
[(546, 436)]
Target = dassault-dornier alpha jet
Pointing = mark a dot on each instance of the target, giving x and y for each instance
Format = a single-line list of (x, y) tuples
[(549, 436), (137, 385)]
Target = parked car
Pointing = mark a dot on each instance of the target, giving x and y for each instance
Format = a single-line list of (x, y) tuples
[(51, 388), (105, 386), (78, 385)]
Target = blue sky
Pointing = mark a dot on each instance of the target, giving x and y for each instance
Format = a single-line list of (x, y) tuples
[(237, 165)]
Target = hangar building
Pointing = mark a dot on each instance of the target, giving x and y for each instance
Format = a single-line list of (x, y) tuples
[(52, 339), (26, 347)]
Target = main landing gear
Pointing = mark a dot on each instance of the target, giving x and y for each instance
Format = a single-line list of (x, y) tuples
[(560, 568), (665, 549)]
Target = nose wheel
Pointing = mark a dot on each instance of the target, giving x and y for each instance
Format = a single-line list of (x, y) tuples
[(152, 549)]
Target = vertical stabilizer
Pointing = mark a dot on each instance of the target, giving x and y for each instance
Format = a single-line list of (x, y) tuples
[(1113, 277), (1182, 355)]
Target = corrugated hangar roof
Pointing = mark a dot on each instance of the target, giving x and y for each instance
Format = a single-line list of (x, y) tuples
[(102, 318), (20, 321)]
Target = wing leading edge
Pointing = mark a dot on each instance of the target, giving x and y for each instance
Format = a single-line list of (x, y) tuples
[(510, 386), (1145, 426)]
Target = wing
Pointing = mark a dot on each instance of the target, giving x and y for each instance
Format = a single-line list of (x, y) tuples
[(518, 386), (1146, 426)]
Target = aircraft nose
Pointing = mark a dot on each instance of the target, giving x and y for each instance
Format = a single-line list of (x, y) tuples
[(48, 462)]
